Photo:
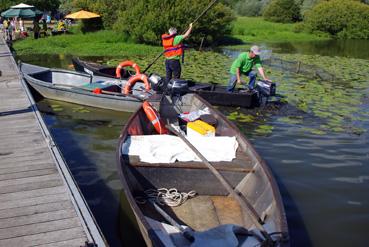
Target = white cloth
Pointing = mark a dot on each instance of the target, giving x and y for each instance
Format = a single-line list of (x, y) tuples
[(169, 148)]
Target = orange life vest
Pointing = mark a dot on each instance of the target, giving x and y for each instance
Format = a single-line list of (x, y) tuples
[(171, 50)]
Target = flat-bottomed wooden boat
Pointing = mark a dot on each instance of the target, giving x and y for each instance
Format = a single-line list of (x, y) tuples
[(215, 207)]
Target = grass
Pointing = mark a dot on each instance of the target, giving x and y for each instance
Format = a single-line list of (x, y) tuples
[(255, 29), (102, 43)]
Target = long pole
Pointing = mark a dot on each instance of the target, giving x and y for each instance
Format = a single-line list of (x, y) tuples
[(244, 203), (197, 18)]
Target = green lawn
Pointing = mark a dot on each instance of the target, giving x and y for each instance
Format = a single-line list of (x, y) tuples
[(102, 43), (255, 29)]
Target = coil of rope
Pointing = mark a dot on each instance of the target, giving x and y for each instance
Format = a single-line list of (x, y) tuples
[(163, 196)]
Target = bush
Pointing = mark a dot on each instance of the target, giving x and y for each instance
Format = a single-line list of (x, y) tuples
[(249, 8), (340, 18), (145, 20), (284, 11)]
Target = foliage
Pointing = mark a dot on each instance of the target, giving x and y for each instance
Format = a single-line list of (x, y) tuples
[(48, 5), (341, 18), (255, 29), (249, 8), (145, 20), (282, 11)]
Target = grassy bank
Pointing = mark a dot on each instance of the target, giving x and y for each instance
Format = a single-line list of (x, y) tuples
[(102, 43), (255, 29)]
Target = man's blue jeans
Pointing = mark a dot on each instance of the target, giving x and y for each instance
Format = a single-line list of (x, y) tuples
[(233, 81)]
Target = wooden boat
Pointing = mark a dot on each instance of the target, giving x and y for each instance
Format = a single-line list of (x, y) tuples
[(215, 94), (83, 89), (251, 201)]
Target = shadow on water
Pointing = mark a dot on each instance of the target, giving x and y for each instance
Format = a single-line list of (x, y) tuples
[(87, 138)]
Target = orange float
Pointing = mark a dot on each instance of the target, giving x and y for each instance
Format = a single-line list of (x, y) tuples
[(154, 118), (132, 81), (127, 63)]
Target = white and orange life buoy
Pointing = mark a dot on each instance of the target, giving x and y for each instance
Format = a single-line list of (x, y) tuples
[(127, 63), (132, 81), (153, 116)]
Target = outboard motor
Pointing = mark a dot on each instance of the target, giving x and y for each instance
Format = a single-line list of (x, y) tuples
[(266, 88), (156, 82), (177, 87)]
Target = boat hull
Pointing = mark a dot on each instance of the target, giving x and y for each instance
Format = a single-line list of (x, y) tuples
[(247, 173), (215, 94), (87, 99)]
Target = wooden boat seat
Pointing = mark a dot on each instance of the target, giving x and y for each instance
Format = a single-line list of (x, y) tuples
[(241, 163)]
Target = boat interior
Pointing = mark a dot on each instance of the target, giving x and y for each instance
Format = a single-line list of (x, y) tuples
[(70, 79), (212, 206)]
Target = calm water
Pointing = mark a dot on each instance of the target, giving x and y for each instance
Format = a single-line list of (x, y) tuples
[(323, 178)]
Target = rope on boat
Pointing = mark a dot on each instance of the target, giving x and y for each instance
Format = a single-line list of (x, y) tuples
[(163, 196)]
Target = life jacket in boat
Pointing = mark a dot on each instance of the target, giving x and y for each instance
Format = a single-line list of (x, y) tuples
[(171, 50)]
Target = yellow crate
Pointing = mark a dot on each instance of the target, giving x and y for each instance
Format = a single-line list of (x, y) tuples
[(200, 128)]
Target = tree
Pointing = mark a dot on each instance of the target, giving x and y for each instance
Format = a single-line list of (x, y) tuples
[(340, 18), (49, 5), (145, 20), (250, 7), (282, 11)]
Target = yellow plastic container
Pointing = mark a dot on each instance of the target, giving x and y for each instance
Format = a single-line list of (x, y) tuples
[(200, 128)]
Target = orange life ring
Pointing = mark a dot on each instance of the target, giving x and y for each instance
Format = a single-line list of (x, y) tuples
[(153, 116), (132, 81), (127, 63)]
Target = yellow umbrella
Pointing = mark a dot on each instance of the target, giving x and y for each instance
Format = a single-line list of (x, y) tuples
[(82, 14)]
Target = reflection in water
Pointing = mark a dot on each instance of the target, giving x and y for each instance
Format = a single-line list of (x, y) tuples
[(87, 138)]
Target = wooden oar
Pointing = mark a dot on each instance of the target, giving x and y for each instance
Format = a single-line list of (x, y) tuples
[(244, 203)]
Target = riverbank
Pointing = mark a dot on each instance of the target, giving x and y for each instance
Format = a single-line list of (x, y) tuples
[(256, 29)]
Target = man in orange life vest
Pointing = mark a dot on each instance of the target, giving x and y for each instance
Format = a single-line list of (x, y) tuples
[(173, 50)]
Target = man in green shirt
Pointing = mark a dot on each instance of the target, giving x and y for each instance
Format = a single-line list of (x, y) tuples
[(243, 66), (173, 50)]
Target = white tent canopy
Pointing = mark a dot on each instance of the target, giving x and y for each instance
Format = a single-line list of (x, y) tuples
[(21, 6)]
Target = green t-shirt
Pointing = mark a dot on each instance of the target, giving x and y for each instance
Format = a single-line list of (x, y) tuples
[(177, 40), (245, 63)]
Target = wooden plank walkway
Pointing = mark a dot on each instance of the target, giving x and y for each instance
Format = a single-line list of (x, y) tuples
[(40, 205)]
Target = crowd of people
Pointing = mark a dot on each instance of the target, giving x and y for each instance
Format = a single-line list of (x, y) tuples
[(14, 28)]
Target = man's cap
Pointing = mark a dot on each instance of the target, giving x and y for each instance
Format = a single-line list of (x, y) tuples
[(255, 49), (172, 30)]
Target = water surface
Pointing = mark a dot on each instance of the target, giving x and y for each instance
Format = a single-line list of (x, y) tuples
[(312, 144)]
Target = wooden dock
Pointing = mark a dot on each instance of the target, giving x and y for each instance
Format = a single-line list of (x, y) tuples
[(40, 204)]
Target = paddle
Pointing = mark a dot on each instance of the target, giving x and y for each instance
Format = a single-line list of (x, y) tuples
[(244, 203), (197, 18)]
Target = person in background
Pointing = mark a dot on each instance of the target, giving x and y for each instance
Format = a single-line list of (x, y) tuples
[(243, 66), (21, 25), (10, 32), (173, 50), (44, 26), (36, 29)]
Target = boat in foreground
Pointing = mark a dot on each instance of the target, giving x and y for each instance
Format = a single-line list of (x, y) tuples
[(176, 196), (84, 89), (215, 94)]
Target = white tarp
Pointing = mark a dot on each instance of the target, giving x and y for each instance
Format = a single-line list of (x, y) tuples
[(169, 148)]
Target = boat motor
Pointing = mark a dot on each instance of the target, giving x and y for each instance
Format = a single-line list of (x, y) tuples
[(156, 82), (266, 88), (177, 87)]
